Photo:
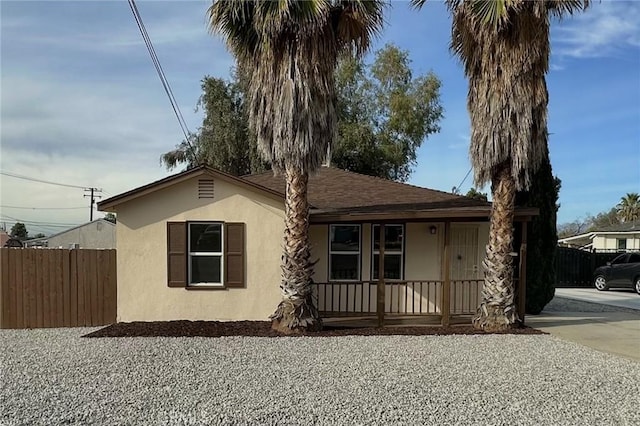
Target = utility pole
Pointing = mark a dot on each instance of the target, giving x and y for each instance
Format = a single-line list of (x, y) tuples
[(93, 199)]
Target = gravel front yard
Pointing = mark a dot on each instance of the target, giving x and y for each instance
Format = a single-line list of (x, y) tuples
[(50, 377)]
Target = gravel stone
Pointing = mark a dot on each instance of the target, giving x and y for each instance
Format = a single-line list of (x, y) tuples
[(53, 376)]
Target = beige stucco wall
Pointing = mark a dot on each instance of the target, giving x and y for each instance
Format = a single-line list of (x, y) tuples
[(610, 241), (143, 294), (423, 251), (98, 234)]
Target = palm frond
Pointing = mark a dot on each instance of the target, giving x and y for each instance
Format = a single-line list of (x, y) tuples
[(290, 49), (561, 8)]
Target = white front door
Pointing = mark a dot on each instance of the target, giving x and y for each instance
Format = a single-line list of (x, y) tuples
[(465, 262)]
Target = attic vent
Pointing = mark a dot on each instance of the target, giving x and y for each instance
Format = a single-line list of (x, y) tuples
[(205, 188)]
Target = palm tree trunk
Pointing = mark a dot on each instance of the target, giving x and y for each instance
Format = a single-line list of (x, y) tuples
[(296, 312), (497, 310)]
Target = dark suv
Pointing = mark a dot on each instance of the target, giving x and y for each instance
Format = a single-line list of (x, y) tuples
[(623, 271)]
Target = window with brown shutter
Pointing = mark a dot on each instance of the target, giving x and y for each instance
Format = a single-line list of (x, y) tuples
[(205, 254)]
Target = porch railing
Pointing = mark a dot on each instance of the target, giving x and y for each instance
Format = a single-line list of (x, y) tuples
[(345, 299)]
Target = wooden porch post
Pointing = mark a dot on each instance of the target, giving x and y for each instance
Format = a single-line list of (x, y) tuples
[(446, 288), (522, 279), (380, 288)]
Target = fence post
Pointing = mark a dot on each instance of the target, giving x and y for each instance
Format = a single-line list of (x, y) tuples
[(446, 288), (381, 285)]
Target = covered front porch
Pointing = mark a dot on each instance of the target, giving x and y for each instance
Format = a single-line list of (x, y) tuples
[(420, 271)]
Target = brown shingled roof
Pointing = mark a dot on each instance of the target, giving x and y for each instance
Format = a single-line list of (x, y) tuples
[(336, 189)]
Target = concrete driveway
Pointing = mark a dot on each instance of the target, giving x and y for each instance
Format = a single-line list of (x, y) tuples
[(605, 321)]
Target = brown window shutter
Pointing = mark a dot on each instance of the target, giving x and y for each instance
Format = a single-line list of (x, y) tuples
[(234, 255), (177, 254)]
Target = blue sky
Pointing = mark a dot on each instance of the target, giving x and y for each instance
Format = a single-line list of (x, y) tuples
[(81, 103)]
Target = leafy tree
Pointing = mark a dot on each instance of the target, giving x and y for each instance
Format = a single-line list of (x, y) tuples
[(603, 220), (110, 217), (19, 231), (291, 51), (476, 195), (629, 207), (384, 114), (504, 47), (224, 140), (542, 237), (570, 229)]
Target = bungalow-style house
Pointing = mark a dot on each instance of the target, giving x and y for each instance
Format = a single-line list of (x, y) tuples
[(622, 237), (205, 245)]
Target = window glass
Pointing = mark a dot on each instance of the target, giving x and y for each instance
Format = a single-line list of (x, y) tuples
[(622, 243), (619, 259), (344, 252), (206, 269), (206, 237), (393, 235), (205, 253), (393, 252), (344, 267), (345, 238), (392, 266), (634, 258)]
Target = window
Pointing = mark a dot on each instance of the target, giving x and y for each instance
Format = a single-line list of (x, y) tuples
[(622, 243), (393, 252), (205, 253), (620, 259), (344, 252)]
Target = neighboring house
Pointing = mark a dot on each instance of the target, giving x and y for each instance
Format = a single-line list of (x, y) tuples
[(98, 234), (205, 245), (36, 242), (4, 237), (622, 237)]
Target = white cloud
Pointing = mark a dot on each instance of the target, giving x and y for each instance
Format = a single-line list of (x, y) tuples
[(602, 30), (88, 135), (81, 120)]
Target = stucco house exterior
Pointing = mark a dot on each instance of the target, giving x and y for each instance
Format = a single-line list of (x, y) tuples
[(205, 245), (622, 237)]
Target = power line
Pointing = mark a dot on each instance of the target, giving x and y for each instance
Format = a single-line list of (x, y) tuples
[(456, 189), (42, 208), (35, 222), (15, 175), (161, 74)]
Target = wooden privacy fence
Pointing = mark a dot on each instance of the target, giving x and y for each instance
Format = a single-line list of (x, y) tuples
[(57, 288), (574, 267)]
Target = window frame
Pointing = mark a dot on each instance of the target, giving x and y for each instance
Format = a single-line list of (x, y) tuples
[(621, 242), (352, 253), (375, 252), (220, 254)]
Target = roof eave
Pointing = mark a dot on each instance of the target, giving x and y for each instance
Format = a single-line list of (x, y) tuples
[(111, 204), (481, 213)]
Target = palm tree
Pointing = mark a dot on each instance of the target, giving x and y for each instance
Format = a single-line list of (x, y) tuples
[(629, 207), (290, 49), (504, 47)]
